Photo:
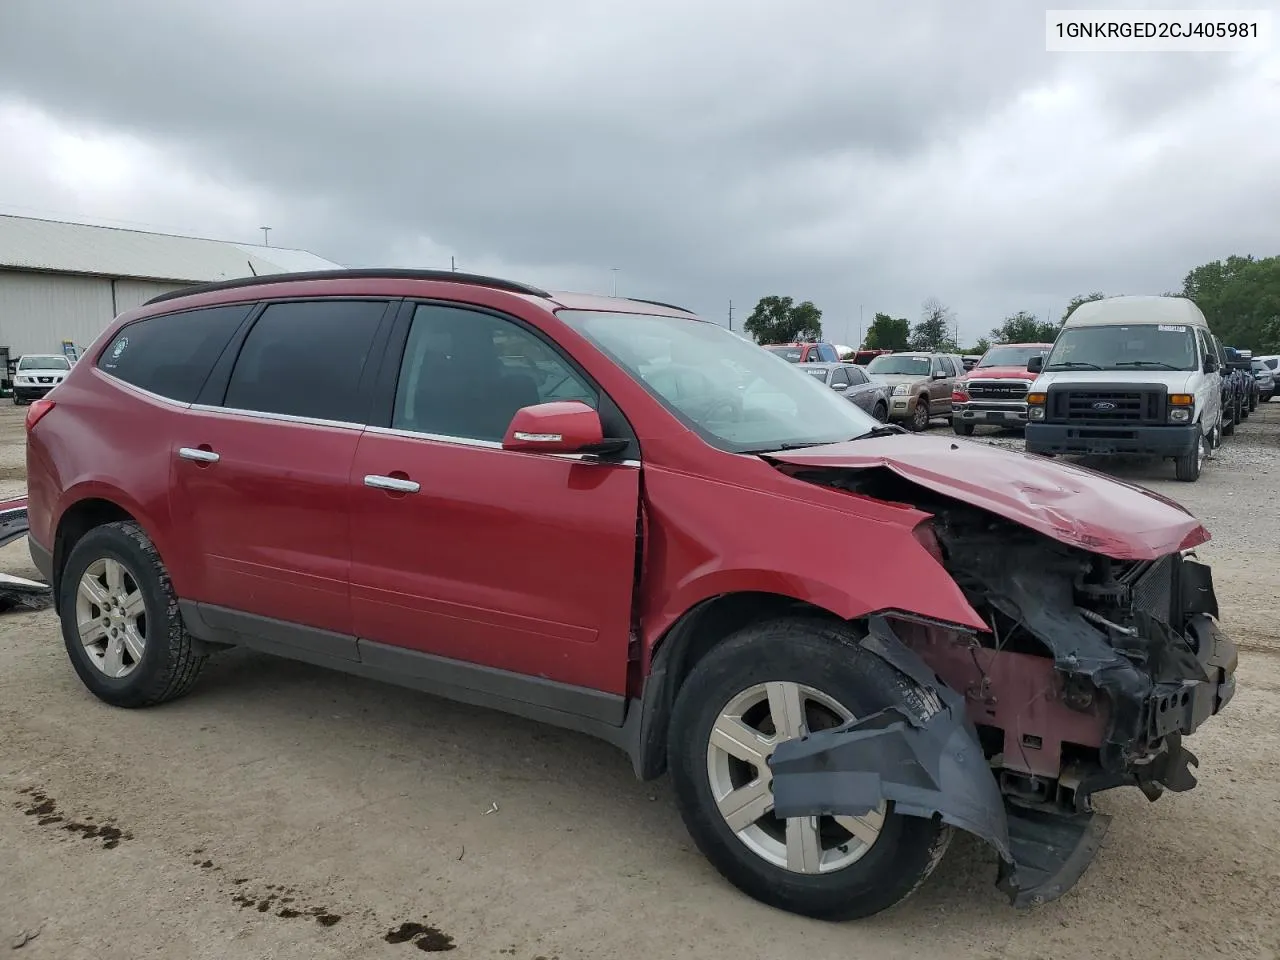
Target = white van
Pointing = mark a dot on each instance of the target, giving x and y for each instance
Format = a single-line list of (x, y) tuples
[(1134, 376)]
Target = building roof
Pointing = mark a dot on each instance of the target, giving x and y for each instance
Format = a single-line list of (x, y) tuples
[(1137, 310), (60, 247)]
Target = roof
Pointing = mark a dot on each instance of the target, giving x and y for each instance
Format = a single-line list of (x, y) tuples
[(1133, 310), (60, 247)]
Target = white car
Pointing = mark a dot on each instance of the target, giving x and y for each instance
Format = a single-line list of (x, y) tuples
[(37, 374), (1133, 376), (1272, 363)]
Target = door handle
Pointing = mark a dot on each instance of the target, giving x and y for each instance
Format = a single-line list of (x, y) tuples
[(198, 455), (394, 484)]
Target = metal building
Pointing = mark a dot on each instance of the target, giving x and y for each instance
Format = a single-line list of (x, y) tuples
[(63, 282)]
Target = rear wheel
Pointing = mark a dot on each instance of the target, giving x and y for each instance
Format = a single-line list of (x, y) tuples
[(120, 620), (770, 683), (1187, 468), (920, 415)]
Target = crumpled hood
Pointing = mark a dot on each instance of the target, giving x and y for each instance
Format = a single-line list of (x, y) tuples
[(1069, 503)]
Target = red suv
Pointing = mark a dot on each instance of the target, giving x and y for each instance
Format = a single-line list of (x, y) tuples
[(601, 513)]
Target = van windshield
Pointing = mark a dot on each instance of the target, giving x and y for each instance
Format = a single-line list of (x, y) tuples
[(735, 395), (1131, 347)]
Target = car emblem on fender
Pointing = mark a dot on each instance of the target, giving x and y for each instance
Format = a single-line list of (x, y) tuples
[(1104, 405)]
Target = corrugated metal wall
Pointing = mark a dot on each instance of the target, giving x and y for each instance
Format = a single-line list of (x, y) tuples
[(40, 310)]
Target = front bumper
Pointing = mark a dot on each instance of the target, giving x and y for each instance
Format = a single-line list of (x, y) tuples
[(980, 411), (32, 391), (1171, 440)]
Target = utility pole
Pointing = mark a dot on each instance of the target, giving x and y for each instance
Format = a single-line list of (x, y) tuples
[(730, 314), (266, 236), (614, 289), (453, 267), (858, 345)]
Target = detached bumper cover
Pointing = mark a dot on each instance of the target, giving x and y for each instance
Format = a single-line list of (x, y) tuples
[(928, 762), (1136, 440)]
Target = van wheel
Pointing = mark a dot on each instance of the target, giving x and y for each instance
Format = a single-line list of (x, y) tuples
[(920, 415), (1228, 421), (765, 685), (1187, 468), (120, 620), (964, 429)]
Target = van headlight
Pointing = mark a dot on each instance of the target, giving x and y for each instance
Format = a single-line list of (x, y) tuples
[(1035, 413), (1179, 415)]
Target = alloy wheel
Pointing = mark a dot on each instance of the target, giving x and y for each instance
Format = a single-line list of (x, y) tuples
[(743, 738), (111, 617)]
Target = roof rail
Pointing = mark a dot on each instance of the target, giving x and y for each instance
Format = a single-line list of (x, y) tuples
[(374, 273), (659, 303)]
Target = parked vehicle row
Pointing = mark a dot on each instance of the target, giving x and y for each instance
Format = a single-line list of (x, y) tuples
[(600, 513), (852, 382)]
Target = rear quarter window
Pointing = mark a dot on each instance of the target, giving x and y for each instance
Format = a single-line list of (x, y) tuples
[(171, 355)]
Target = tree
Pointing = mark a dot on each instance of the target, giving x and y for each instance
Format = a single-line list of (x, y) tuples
[(979, 348), (1240, 297), (933, 332), (1023, 327), (887, 333), (782, 320), (1078, 299)]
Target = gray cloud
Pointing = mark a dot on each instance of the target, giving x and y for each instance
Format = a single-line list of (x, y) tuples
[(868, 153)]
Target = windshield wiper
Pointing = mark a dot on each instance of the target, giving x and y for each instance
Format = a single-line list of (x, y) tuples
[(1160, 364), (884, 430), (1077, 364)]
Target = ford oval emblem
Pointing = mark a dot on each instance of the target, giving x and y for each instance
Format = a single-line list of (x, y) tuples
[(1104, 405)]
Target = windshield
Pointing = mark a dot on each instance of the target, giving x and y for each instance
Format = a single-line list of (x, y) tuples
[(1147, 346), (898, 363), (1009, 356), (44, 363), (791, 354), (732, 393)]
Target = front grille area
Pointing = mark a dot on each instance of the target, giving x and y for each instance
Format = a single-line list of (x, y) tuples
[(1153, 591), (1106, 405), (44, 379), (997, 390)]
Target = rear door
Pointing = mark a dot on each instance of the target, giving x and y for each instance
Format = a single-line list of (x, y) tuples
[(261, 469), (519, 564), (940, 390)]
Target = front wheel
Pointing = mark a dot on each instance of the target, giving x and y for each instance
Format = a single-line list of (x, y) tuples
[(881, 412), (920, 415), (1187, 468), (770, 683), (964, 429)]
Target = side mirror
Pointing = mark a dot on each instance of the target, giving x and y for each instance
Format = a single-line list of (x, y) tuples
[(562, 426), (940, 375), (840, 387), (1035, 364)]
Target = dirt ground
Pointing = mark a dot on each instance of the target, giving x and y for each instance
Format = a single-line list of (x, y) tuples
[(281, 811)]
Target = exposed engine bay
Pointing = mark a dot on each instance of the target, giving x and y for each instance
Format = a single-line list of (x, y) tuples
[(1089, 676)]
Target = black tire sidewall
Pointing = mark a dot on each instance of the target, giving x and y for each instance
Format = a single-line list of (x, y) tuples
[(918, 422), (824, 656), (113, 542)]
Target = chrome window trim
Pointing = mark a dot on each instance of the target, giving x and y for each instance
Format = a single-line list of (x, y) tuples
[(141, 391), (490, 445)]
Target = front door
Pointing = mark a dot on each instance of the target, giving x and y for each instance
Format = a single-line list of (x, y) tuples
[(260, 479), (516, 561)]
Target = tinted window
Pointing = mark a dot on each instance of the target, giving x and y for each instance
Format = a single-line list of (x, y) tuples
[(305, 359), (173, 354), (838, 376), (856, 376), (828, 353), (465, 374)]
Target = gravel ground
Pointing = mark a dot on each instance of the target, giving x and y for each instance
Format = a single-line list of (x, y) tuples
[(285, 812)]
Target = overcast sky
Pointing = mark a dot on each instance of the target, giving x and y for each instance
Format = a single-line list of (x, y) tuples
[(860, 154)]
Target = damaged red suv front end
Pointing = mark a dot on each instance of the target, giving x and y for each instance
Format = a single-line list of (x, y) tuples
[(1098, 651)]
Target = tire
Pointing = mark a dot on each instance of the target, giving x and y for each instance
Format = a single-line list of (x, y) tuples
[(881, 411), (825, 659), (169, 660), (1228, 421), (1187, 469), (920, 415), (964, 429)]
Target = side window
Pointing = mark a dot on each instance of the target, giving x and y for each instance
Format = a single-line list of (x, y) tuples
[(173, 354), (465, 374), (828, 353), (305, 359), (839, 377), (856, 376), (943, 365), (1206, 351)]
